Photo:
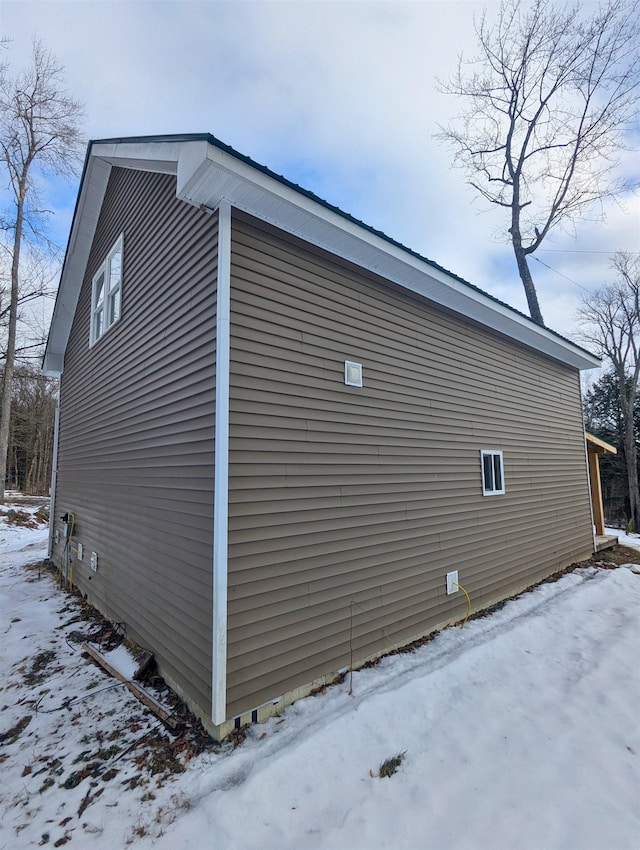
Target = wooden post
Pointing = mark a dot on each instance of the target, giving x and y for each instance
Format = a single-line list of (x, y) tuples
[(596, 492)]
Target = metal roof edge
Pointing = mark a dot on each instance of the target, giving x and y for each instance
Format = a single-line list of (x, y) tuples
[(580, 357), (223, 146)]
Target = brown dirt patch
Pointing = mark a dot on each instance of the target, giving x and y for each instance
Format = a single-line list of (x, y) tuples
[(23, 519), (617, 555), (14, 733), (40, 668)]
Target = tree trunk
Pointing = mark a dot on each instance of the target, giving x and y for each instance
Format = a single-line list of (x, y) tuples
[(632, 479), (632, 466), (627, 403), (523, 266), (5, 408)]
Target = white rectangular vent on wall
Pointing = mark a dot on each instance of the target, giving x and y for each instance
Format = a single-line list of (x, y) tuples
[(352, 373), (94, 561)]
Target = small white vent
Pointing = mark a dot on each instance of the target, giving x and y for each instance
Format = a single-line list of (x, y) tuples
[(94, 561), (352, 373)]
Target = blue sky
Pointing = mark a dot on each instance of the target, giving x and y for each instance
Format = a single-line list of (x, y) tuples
[(337, 96)]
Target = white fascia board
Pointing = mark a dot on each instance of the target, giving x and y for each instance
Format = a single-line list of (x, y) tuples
[(156, 157), (222, 175), (53, 364), (160, 157), (192, 161), (85, 222), (207, 174)]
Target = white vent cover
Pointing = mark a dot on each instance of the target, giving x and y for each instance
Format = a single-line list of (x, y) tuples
[(352, 373)]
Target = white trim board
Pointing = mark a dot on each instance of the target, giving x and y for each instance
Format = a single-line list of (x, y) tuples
[(221, 480)]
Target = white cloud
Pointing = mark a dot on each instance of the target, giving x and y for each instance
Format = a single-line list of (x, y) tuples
[(338, 96)]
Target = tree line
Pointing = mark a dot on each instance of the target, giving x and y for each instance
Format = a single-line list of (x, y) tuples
[(610, 319), (604, 418), (39, 137), (31, 430)]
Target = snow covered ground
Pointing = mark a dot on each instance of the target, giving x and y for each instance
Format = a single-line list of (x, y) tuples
[(624, 539), (520, 731)]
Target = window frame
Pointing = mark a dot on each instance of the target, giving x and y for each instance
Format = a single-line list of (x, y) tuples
[(111, 294), (489, 488)]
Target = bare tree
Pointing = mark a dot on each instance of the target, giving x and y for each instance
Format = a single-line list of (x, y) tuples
[(39, 134), (38, 276), (610, 317), (31, 430), (603, 417), (548, 101)]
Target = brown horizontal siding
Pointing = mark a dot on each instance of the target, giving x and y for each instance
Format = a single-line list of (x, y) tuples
[(136, 429), (347, 505)]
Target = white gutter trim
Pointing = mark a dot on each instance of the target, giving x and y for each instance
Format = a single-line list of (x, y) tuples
[(221, 458), (54, 476)]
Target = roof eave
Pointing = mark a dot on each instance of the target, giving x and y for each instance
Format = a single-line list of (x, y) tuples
[(208, 171), (598, 446), (222, 176)]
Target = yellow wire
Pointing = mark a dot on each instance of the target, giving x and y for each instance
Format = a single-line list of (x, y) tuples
[(69, 563), (455, 584)]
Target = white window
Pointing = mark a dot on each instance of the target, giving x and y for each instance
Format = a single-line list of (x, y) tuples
[(106, 293), (492, 472)]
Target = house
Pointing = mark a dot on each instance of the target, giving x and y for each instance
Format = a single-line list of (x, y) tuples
[(280, 430), (595, 448)]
